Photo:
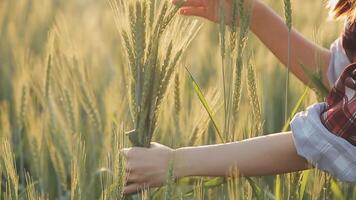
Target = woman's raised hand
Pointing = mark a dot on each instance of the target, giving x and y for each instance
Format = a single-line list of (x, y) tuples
[(146, 167), (208, 9)]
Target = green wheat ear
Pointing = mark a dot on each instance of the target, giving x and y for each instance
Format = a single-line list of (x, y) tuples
[(244, 16), (152, 64), (177, 109), (288, 13), (69, 111), (233, 26), (253, 98), (169, 192), (23, 107)]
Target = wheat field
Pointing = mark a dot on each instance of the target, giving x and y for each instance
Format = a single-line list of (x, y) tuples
[(70, 87)]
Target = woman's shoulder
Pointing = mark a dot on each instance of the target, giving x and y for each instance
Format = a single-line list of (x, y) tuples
[(338, 61)]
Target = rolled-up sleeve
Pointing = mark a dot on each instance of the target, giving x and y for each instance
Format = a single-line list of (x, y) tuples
[(320, 147), (338, 61)]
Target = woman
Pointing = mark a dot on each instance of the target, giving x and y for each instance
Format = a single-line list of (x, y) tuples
[(310, 143)]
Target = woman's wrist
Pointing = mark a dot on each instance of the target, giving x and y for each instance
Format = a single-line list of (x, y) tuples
[(199, 161), (178, 160), (184, 162)]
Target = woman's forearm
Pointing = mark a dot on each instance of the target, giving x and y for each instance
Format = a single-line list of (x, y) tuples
[(272, 31), (265, 155)]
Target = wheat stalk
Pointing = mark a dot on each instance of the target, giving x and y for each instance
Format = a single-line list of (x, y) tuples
[(222, 31), (58, 164), (199, 189), (69, 109), (21, 131), (48, 77), (170, 182), (5, 121), (177, 108), (288, 13), (31, 192), (254, 100), (119, 164), (12, 183), (77, 164), (89, 105), (152, 8), (242, 41), (243, 14), (151, 67), (288, 21), (23, 107), (233, 27)]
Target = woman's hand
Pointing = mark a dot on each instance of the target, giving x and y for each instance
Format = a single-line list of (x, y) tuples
[(146, 167), (270, 28), (208, 9)]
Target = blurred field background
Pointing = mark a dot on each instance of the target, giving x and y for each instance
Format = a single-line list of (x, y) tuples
[(64, 106)]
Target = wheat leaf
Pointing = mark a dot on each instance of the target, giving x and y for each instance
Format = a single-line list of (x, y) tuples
[(295, 109), (316, 81), (204, 103)]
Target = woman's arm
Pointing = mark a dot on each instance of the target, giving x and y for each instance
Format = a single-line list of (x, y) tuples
[(265, 155), (272, 31)]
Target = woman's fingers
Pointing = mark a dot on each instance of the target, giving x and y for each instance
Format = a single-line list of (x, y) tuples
[(193, 11), (128, 167), (132, 177), (190, 2), (125, 152), (144, 166), (132, 188)]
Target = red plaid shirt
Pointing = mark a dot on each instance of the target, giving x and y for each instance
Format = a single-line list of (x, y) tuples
[(340, 114)]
